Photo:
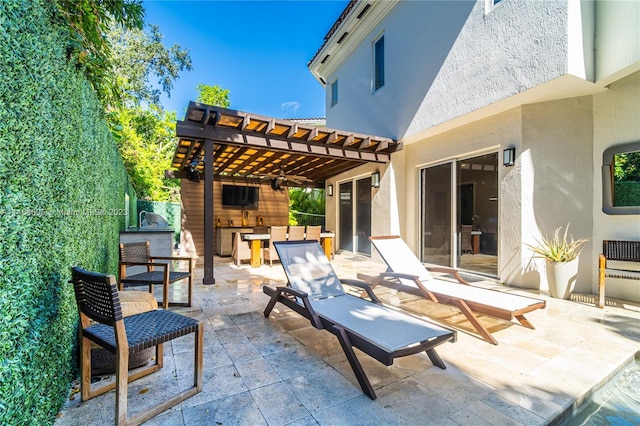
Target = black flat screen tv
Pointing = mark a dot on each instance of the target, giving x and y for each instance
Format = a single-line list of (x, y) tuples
[(240, 197)]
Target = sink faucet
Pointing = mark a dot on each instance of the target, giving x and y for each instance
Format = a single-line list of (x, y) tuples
[(140, 218)]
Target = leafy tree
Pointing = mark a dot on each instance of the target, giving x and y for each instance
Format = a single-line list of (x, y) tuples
[(307, 200), (130, 67), (213, 95), (627, 166), (144, 131), (147, 143), (138, 57), (87, 23)]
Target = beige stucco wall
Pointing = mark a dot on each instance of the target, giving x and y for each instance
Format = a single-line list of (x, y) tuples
[(556, 190), (616, 120), (617, 41)]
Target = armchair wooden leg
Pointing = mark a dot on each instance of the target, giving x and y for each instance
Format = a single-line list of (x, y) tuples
[(165, 289), (122, 370), (601, 293), (188, 393), (198, 357), (85, 368)]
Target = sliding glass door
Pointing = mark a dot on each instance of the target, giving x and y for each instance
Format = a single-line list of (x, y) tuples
[(355, 216), (459, 207), (345, 237), (436, 214), (363, 216)]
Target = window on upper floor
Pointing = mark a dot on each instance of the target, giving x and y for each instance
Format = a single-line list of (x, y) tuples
[(378, 63), (334, 92), (490, 4)]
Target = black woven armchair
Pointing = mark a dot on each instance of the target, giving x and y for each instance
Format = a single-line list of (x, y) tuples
[(97, 299), (139, 254)]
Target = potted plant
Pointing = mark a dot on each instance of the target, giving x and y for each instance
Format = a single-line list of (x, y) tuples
[(561, 254)]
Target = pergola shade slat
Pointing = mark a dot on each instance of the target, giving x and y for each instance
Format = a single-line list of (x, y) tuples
[(248, 145)]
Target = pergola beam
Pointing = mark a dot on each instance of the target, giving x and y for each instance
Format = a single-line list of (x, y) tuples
[(265, 146)]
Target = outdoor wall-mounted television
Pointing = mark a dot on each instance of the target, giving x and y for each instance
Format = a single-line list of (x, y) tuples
[(245, 197)]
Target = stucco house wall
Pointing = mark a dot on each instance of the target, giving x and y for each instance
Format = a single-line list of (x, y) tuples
[(557, 80), (446, 59), (617, 40), (555, 190)]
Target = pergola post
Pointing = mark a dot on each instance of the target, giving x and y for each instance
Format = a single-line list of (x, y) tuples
[(209, 277)]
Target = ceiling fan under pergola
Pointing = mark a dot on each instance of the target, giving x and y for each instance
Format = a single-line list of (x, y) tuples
[(282, 179)]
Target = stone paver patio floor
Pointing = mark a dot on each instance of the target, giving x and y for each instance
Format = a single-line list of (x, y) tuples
[(281, 371)]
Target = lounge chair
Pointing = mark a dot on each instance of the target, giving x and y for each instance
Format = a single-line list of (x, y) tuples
[(407, 274), (315, 292)]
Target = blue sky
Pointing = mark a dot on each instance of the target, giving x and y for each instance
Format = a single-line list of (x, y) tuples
[(257, 49)]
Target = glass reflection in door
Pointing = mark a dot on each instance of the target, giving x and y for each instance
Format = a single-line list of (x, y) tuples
[(436, 214), (363, 215), (477, 214), (345, 238)]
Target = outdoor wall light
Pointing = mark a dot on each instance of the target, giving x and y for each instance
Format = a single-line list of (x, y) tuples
[(330, 190), (375, 180), (509, 157)]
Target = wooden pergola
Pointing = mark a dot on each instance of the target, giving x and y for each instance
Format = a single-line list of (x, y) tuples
[(253, 147)]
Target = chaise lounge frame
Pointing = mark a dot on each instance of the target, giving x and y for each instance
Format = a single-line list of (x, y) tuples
[(469, 299), (349, 338)]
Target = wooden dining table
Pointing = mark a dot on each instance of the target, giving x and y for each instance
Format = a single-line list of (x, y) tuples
[(326, 239)]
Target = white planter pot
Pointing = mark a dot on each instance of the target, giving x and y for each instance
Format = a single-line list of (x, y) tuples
[(561, 277)]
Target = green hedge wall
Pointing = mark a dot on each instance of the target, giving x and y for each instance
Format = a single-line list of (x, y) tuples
[(627, 193), (62, 186)]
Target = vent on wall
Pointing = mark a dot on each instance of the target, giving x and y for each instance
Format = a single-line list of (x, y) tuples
[(365, 10)]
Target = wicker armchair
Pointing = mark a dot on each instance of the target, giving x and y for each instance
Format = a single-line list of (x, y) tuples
[(139, 254), (313, 233), (98, 300), (296, 233), (241, 249), (278, 233)]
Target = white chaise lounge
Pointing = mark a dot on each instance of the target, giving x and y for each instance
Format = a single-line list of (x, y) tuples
[(408, 274)]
